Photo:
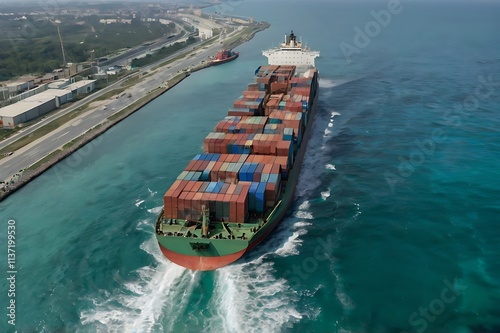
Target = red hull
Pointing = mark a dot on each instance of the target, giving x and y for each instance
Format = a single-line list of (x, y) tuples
[(223, 61), (200, 263)]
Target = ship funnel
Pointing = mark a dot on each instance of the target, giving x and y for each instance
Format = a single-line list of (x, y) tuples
[(287, 39)]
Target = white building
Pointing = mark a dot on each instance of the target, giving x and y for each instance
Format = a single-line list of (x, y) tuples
[(205, 27), (204, 32), (44, 102), (33, 107), (81, 87)]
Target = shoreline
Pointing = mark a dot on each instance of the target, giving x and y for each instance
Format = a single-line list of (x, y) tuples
[(92, 133)]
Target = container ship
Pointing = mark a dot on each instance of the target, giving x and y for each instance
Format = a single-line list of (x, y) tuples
[(224, 56), (231, 197)]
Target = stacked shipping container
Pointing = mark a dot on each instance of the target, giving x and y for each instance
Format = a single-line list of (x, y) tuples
[(250, 152)]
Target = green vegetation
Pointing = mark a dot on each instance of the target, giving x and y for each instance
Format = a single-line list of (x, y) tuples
[(5, 132), (32, 45), (162, 53)]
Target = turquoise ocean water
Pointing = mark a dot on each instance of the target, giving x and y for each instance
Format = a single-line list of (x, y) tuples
[(394, 228)]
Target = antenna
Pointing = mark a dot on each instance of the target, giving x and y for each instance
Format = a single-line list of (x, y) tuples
[(62, 47)]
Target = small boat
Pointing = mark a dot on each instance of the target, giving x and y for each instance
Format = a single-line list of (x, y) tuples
[(224, 56)]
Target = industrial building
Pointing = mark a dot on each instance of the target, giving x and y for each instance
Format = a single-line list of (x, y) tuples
[(78, 88), (12, 88), (42, 103)]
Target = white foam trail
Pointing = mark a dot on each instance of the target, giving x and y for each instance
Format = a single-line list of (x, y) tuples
[(289, 236), (344, 299), (291, 246), (155, 210), (358, 211), (326, 83), (146, 300), (249, 298), (304, 215), (305, 205), (144, 224), (330, 167), (302, 224), (139, 202), (325, 194), (151, 193), (309, 179)]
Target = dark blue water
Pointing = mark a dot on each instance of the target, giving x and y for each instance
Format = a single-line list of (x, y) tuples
[(394, 228)]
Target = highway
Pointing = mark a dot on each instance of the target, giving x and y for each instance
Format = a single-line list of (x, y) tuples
[(38, 149)]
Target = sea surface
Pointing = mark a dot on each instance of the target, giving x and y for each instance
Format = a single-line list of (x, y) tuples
[(395, 225)]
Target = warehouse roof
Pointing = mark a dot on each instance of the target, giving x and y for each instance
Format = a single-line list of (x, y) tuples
[(78, 84), (31, 102)]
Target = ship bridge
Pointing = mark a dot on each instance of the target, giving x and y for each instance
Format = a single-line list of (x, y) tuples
[(291, 52)]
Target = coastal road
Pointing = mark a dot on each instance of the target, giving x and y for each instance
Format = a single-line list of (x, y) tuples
[(61, 112), (38, 149)]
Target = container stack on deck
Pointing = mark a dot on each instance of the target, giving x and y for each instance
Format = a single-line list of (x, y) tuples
[(250, 152)]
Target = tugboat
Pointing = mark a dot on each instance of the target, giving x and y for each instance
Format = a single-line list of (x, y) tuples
[(224, 56)]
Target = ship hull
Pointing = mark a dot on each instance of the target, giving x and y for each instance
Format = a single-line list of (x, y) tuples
[(200, 263), (229, 199), (287, 200), (223, 61), (221, 253)]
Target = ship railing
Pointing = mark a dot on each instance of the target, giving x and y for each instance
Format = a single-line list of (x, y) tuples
[(272, 212), (159, 222)]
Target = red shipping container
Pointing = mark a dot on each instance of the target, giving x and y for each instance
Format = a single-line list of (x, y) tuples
[(233, 208), (241, 208), (181, 204), (189, 186), (188, 205), (196, 186)]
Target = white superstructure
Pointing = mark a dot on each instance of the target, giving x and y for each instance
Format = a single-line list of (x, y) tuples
[(291, 52)]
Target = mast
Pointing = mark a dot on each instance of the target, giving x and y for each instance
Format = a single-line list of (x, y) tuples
[(62, 47), (204, 225)]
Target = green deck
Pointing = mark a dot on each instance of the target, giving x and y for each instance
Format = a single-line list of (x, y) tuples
[(223, 237), (217, 230)]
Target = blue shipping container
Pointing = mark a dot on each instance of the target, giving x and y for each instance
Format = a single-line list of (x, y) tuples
[(210, 187)]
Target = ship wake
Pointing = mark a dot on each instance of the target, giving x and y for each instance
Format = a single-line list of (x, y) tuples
[(249, 298), (143, 304)]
